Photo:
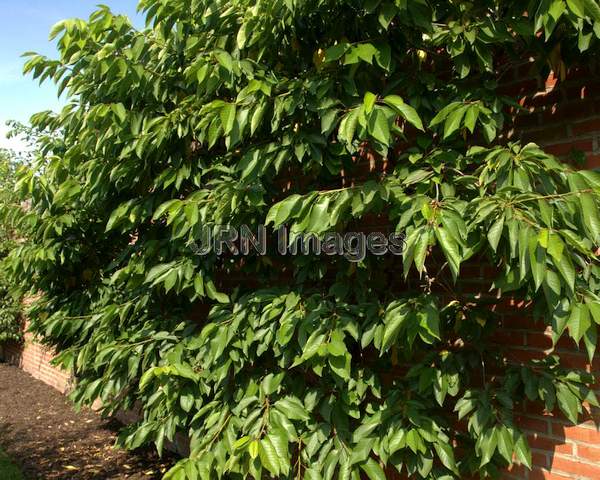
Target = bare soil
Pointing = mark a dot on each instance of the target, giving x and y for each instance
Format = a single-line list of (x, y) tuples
[(41, 432)]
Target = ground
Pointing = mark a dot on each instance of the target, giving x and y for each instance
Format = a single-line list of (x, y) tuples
[(44, 436)]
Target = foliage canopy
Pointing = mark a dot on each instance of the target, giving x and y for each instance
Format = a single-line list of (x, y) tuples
[(10, 308), (328, 369)]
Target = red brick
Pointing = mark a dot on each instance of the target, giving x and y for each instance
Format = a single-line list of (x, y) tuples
[(585, 73), (592, 161), (551, 445), (590, 454), (569, 111), (543, 340), (523, 87), (577, 433), (35, 359), (539, 340), (575, 360), (540, 459), (546, 135), (544, 99), (539, 474), (575, 467), (567, 147), (508, 337), (518, 471), (520, 322), (577, 91), (539, 425), (527, 69), (591, 125), (527, 120), (523, 356)]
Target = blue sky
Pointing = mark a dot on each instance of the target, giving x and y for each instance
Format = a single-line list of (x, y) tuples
[(24, 26)]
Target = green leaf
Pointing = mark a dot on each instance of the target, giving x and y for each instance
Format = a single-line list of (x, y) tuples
[(421, 249), (450, 248), (58, 28), (406, 111), (319, 217), (594, 309), (568, 403), (292, 408), (242, 36), (387, 13), (253, 449), (454, 120), (443, 113), (446, 455), (560, 319), (590, 216), (471, 117), (268, 456), (369, 101), (228, 115), (592, 9), (579, 322), (591, 341), (214, 294), (505, 443), (336, 52), (187, 402), (414, 441), (555, 247), (364, 52), (340, 365), (373, 470), (257, 117), (119, 110), (417, 176), (348, 126), (159, 271), (242, 443), (495, 233), (567, 271), (522, 451), (394, 322), (279, 440), (379, 127), (537, 260), (282, 211), (311, 347), (224, 59), (577, 7), (328, 120)]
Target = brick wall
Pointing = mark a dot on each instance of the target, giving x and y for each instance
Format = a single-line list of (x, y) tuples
[(35, 359), (559, 449), (563, 117)]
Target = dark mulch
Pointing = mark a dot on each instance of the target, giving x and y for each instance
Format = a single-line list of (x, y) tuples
[(47, 439)]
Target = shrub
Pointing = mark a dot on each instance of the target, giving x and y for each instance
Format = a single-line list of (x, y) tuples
[(310, 366), (10, 309)]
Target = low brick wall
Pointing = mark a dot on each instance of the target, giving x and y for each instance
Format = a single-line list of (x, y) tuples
[(560, 450), (36, 360)]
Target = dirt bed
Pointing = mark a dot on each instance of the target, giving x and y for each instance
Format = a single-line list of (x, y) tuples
[(47, 439)]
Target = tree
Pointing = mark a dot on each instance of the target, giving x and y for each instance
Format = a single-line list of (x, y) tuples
[(10, 309), (309, 366)]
